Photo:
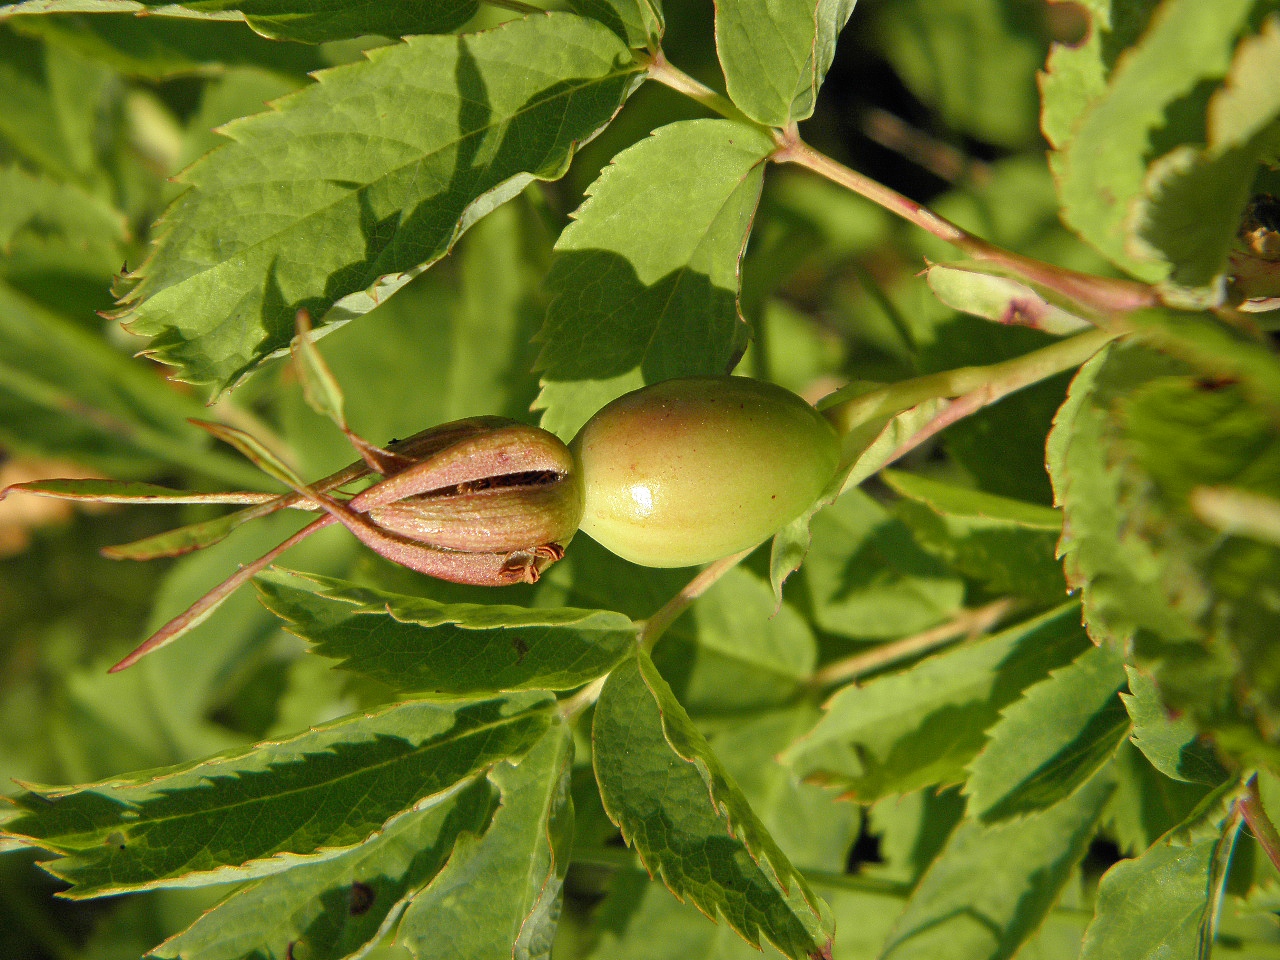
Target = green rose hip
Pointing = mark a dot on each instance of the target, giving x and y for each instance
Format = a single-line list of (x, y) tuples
[(686, 471)]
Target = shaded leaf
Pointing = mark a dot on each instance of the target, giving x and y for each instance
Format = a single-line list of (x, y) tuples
[(1146, 804), (500, 893), (66, 393), (412, 643), (920, 726), (1139, 433), (1170, 743), (388, 160), (973, 61), (1052, 741), (691, 825), (1007, 544), (1165, 902), (775, 54), (750, 653), (259, 812), (309, 22), (869, 579), (644, 285), (160, 47), (809, 824), (639, 22), (338, 906), (1102, 166), (991, 887)]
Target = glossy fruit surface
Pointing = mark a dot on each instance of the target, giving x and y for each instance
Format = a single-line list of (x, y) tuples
[(686, 471)]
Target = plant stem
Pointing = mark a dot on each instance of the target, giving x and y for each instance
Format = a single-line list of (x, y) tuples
[(653, 628), (670, 611), (1103, 294), (998, 379), (661, 70), (1260, 825), (968, 624)]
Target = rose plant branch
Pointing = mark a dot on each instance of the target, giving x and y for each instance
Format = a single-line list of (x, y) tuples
[(1104, 297)]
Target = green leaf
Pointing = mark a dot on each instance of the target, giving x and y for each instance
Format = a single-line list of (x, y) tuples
[(411, 643), (1194, 197), (690, 823), (1165, 903), (644, 285), (161, 47), (744, 651), (65, 393), (981, 290), (920, 726), (639, 22), (1007, 544), (775, 54), (641, 920), (1217, 349), (973, 61), (261, 811), (1076, 75), (127, 491), (48, 224), (1052, 741), (308, 22), (1146, 804), (336, 907), (809, 824), (1139, 434), (1170, 743), (500, 894), (389, 160), (1101, 168), (869, 579), (50, 108), (991, 887)]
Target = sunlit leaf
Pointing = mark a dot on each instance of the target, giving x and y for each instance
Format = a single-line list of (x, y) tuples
[(412, 643), (776, 54), (920, 726), (388, 160), (259, 812), (644, 284), (1052, 741), (335, 907), (690, 823), (308, 22)]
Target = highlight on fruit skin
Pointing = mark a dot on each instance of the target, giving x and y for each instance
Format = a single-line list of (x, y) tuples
[(689, 470)]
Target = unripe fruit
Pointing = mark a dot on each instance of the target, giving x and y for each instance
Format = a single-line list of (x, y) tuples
[(686, 471)]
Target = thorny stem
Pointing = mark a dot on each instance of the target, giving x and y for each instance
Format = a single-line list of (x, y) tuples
[(1260, 825), (969, 624)]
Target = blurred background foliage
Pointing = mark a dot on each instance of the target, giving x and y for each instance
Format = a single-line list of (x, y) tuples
[(936, 98)]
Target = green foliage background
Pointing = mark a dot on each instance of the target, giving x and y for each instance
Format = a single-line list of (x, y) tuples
[(1022, 694)]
